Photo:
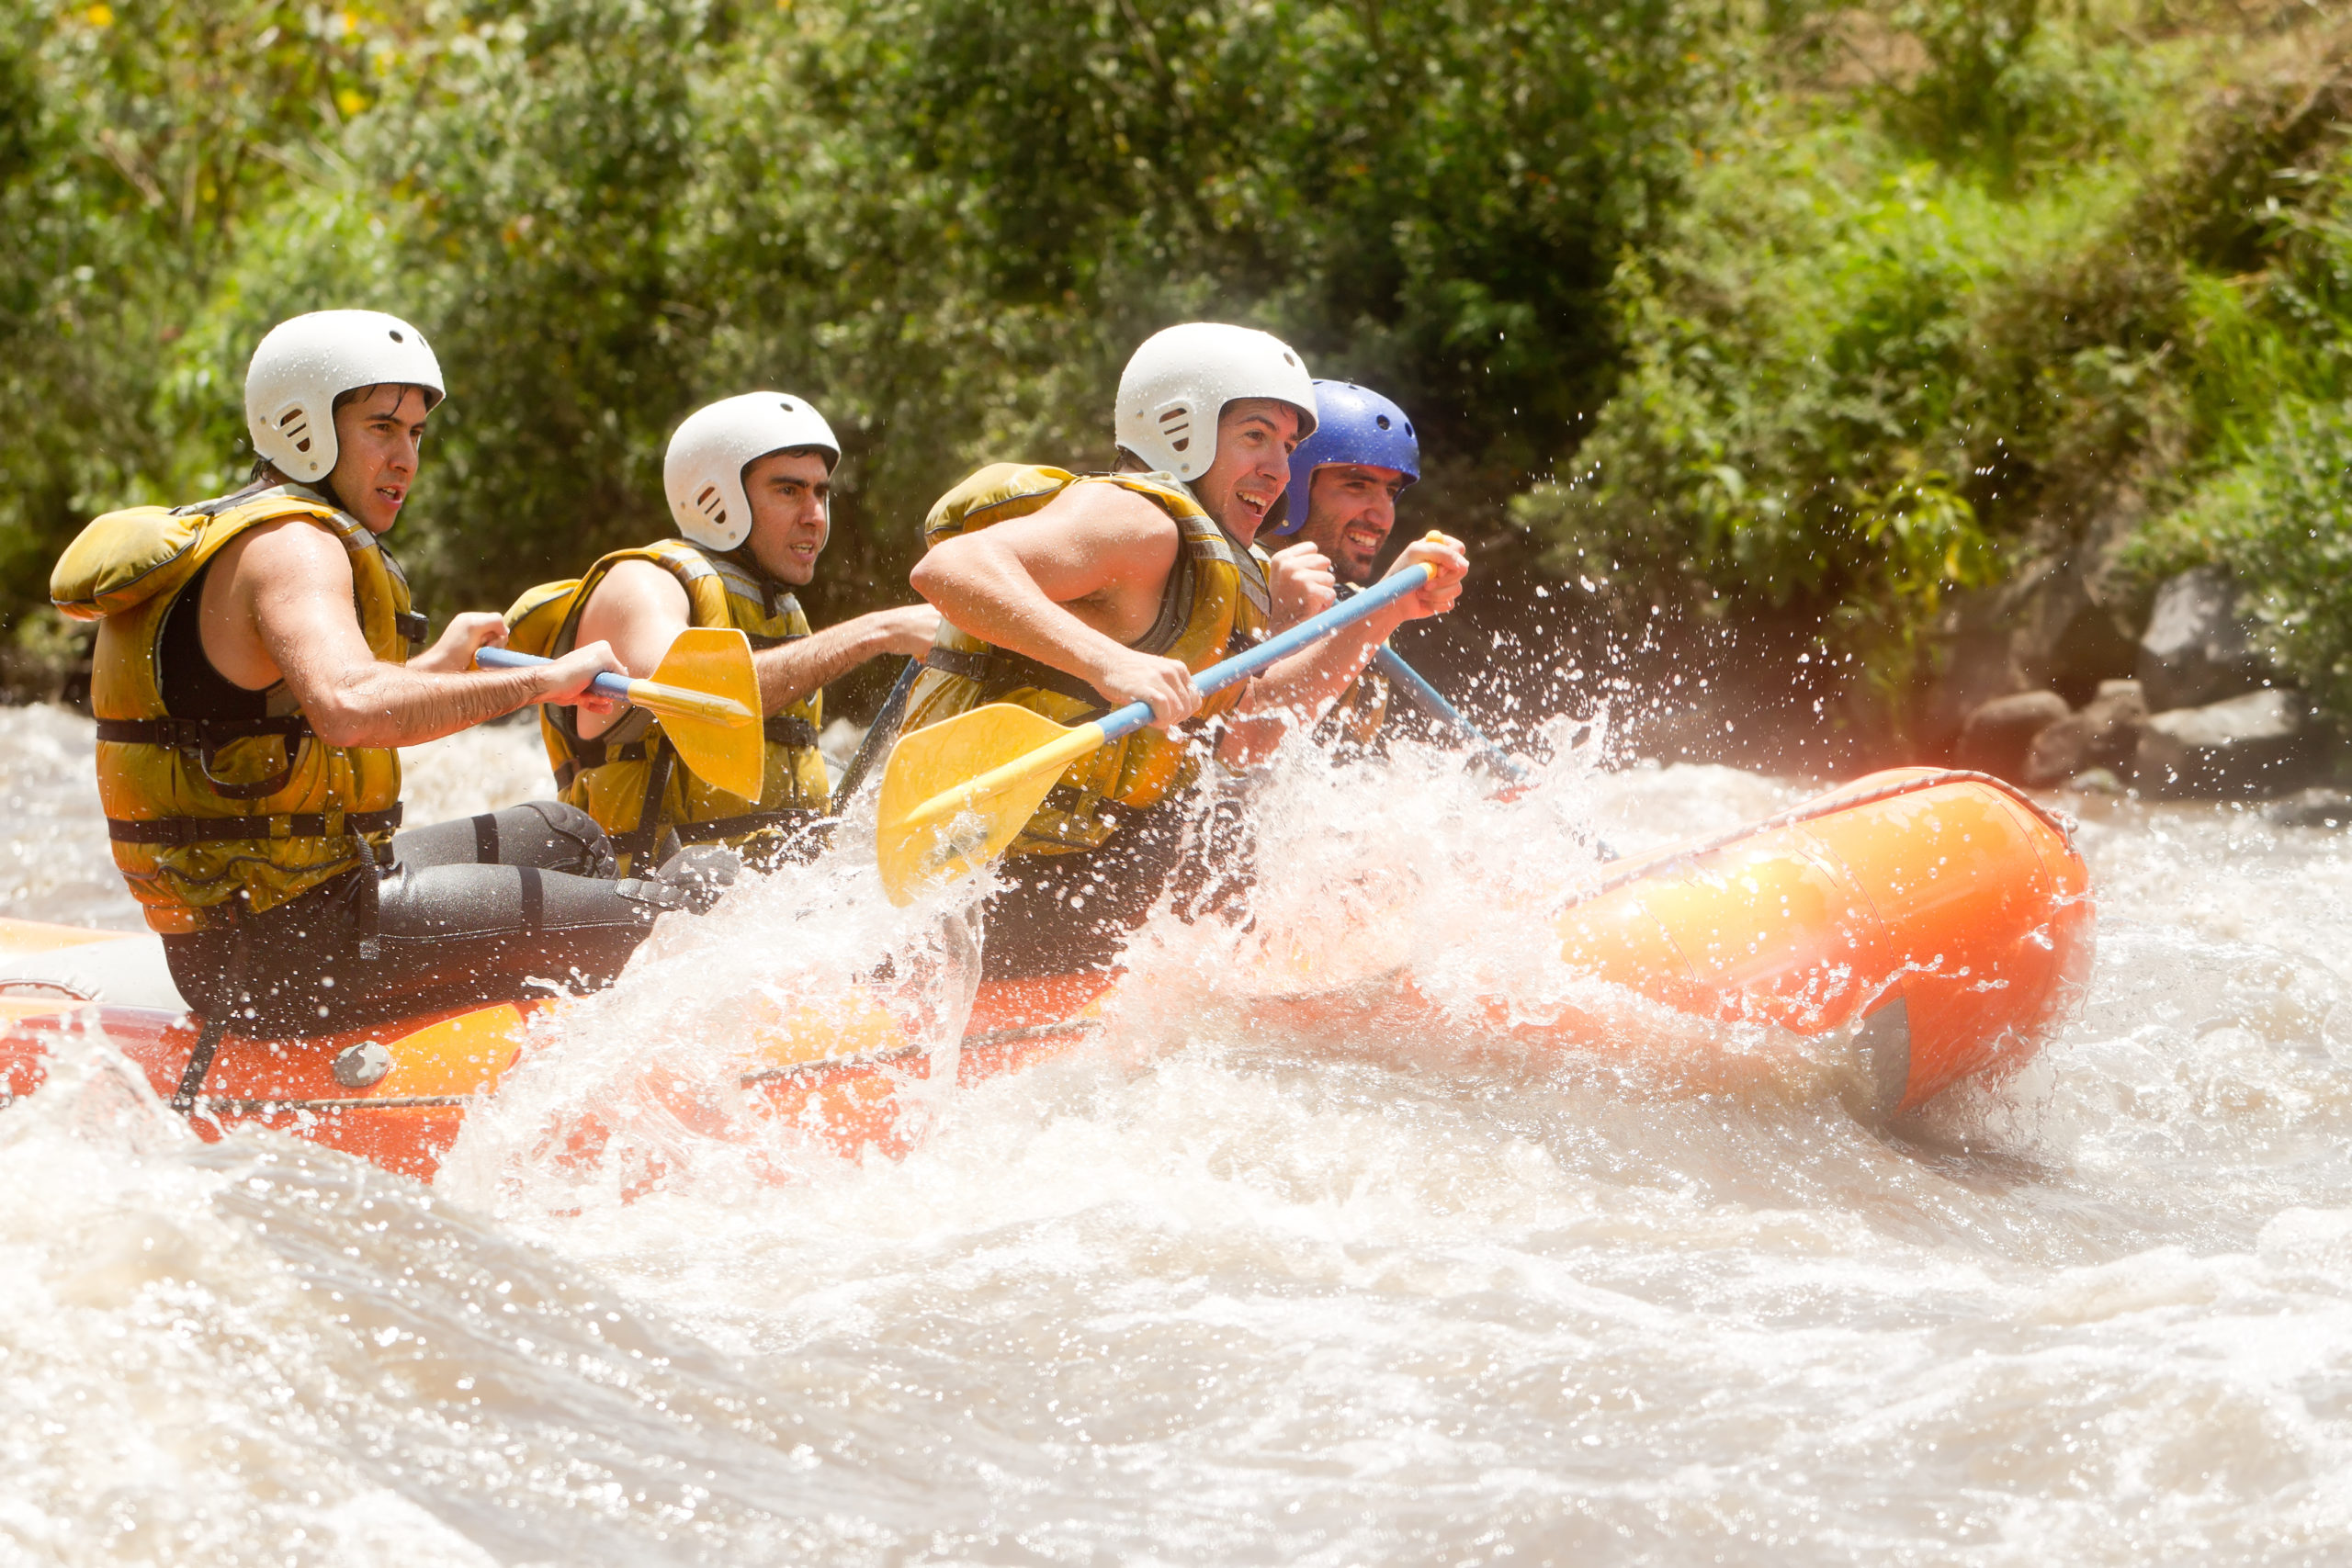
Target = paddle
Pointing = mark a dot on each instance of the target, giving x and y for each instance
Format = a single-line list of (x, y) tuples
[(708, 696), (999, 762), (1433, 703), (878, 735)]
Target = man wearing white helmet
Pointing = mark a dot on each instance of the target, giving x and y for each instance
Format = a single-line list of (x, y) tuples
[(749, 480), (254, 675), (1074, 597)]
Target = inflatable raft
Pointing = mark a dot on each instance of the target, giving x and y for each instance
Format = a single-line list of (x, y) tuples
[(1935, 926)]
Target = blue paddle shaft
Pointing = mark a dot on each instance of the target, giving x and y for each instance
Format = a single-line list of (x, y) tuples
[(1434, 701), (612, 685), (1242, 666)]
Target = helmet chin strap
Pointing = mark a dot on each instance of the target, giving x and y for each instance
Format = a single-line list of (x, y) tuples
[(324, 485), (770, 584)]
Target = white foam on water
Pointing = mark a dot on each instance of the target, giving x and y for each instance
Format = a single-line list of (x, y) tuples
[(1249, 1282)]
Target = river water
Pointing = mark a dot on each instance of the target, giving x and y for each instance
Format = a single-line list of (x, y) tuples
[(1221, 1291)]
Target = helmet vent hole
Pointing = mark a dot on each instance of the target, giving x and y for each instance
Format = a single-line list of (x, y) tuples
[(1176, 425), (1381, 420), (785, 403), (397, 338)]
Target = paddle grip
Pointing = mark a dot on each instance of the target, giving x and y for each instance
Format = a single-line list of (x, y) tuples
[(612, 685), (1242, 666)]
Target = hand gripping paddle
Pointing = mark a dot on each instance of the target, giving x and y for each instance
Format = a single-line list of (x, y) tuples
[(957, 792), (708, 698)]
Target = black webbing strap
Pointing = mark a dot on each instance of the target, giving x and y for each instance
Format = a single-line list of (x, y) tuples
[(1000, 672), (202, 738), (208, 1038), (198, 734), (641, 841), (793, 816), (595, 753), (789, 729), (178, 830)]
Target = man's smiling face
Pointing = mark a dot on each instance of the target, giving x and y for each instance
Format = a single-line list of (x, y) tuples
[(1350, 509), (791, 494), (377, 435), (1254, 438)]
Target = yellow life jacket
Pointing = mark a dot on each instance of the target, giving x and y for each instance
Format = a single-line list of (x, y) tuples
[(212, 815), (628, 778), (1215, 604)]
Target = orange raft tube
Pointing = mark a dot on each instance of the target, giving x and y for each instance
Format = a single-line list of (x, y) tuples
[(1938, 920), (1941, 920)]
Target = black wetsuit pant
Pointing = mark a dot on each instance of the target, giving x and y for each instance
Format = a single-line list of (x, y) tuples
[(481, 909), (1074, 913)]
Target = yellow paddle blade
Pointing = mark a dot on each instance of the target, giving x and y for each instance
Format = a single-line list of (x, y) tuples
[(956, 793), (714, 725)]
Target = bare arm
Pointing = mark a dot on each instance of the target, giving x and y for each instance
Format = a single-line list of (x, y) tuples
[(641, 609), (789, 672), (1301, 687), (283, 610), (1071, 585)]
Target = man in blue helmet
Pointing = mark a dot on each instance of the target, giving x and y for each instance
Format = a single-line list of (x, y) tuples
[(1344, 481)]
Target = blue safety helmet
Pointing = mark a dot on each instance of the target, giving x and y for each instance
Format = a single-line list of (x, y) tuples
[(1353, 424)]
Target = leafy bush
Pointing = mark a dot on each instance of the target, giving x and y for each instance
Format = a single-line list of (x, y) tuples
[(1908, 336), (945, 220), (1802, 310), (2280, 519)]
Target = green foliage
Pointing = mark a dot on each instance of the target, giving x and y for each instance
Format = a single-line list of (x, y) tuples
[(2041, 271), (2273, 499), (1800, 309), (138, 151), (2280, 519), (1807, 373), (946, 220)]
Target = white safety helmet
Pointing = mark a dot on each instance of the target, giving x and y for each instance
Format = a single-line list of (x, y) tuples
[(703, 474), (305, 363), (1180, 380)]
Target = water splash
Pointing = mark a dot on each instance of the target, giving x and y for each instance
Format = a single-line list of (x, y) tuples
[(1237, 1284)]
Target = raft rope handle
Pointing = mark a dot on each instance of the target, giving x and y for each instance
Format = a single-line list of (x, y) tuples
[(70, 993), (1814, 810)]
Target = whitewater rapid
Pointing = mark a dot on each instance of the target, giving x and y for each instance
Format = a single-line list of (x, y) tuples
[(1217, 1292)]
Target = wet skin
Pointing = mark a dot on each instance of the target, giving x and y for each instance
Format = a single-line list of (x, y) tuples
[(1075, 583), (278, 606)]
